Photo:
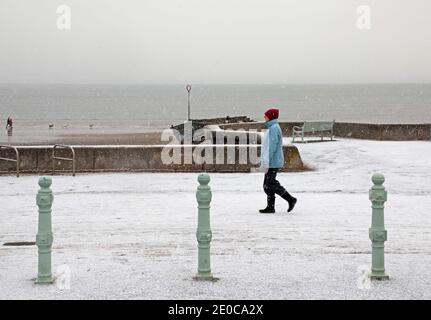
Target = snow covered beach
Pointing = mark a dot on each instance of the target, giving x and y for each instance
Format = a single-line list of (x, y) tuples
[(133, 235)]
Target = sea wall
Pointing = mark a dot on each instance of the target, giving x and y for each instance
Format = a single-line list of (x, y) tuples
[(368, 131), (226, 158)]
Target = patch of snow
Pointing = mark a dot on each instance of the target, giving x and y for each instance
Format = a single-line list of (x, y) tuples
[(132, 235)]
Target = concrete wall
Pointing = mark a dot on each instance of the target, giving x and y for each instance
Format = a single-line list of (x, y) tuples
[(355, 130), (141, 158)]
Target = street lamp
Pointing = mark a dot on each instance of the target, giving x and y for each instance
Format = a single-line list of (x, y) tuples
[(188, 88)]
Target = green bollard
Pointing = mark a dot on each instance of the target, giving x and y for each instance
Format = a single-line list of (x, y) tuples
[(378, 234), (44, 236), (203, 233)]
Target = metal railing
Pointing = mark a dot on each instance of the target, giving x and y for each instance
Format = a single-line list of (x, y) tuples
[(60, 146), (10, 159)]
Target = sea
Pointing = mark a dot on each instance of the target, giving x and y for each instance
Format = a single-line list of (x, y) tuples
[(45, 111)]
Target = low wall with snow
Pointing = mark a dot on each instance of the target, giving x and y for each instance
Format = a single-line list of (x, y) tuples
[(35, 159), (367, 131)]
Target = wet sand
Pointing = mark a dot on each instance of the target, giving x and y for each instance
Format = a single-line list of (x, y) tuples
[(102, 139), (114, 139)]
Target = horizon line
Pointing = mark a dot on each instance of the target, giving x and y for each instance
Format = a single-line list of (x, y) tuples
[(215, 83)]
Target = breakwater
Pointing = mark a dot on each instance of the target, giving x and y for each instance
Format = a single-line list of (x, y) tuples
[(152, 158)]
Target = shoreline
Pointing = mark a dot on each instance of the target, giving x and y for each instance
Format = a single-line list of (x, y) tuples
[(367, 131)]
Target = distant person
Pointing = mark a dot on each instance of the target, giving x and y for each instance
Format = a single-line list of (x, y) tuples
[(272, 159), (9, 128)]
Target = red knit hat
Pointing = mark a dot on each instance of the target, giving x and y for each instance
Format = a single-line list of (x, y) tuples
[(272, 113)]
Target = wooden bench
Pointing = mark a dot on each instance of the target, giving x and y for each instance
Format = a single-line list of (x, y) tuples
[(314, 127)]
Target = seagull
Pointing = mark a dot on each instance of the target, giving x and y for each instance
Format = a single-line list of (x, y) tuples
[(65, 126), (91, 126), (51, 126)]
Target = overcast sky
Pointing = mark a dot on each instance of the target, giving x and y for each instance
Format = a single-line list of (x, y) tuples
[(215, 41)]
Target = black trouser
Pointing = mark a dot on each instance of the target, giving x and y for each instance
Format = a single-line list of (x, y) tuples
[(271, 186)]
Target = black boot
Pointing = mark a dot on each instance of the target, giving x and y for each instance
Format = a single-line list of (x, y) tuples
[(291, 200), (270, 206)]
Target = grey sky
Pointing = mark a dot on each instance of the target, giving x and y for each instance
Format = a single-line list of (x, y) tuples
[(215, 41)]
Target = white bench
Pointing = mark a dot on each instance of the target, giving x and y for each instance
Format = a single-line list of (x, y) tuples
[(320, 127)]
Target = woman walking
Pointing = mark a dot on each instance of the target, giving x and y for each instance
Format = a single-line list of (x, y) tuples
[(272, 159)]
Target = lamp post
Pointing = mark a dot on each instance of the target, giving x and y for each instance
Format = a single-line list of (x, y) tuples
[(188, 88)]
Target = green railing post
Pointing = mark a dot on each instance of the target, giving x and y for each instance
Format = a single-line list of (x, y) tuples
[(44, 236), (377, 232), (203, 233)]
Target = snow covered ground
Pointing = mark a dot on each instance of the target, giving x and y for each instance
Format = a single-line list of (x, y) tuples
[(133, 235)]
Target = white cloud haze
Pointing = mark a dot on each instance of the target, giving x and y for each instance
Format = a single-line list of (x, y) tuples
[(215, 41)]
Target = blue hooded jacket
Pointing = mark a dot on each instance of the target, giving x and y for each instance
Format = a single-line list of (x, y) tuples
[(272, 146)]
